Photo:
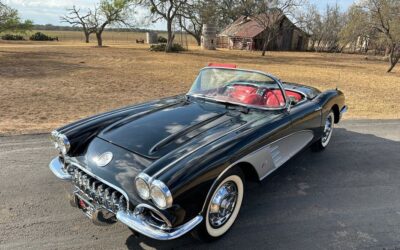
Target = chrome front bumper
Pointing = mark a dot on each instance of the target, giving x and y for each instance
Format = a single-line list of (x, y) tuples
[(58, 169), (136, 220)]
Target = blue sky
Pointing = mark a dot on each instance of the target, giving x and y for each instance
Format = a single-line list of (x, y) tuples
[(49, 11)]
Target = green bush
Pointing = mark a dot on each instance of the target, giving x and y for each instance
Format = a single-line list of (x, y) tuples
[(162, 39), (161, 47), (39, 36), (12, 37)]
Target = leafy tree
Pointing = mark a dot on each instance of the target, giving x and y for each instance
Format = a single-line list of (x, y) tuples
[(109, 12), (196, 13), (10, 21), (167, 10)]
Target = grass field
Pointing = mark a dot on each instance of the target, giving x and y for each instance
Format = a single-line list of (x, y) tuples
[(113, 37), (45, 85)]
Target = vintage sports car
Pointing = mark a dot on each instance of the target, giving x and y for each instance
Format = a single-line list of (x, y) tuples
[(179, 164)]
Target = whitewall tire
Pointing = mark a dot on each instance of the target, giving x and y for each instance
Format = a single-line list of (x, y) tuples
[(222, 207)]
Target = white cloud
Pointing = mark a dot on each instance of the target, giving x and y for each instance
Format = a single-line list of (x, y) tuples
[(57, 4)]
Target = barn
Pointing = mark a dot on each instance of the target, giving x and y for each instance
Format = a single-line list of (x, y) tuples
[(248, 33)]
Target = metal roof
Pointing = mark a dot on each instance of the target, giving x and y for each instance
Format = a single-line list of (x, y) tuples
[(250, 27)]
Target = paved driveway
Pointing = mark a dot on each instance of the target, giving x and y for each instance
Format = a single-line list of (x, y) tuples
[(347, 197)]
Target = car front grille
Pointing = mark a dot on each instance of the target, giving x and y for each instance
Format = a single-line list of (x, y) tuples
[(98, 192)]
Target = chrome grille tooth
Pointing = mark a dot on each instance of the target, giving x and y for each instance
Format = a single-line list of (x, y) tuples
[(107, 194), (98, 192)]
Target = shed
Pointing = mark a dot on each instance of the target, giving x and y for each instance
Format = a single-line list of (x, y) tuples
[(248, 33)]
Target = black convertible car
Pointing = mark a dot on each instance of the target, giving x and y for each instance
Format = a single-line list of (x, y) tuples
[(179, 164)]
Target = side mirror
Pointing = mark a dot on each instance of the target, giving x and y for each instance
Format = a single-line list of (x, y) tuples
[(292, 100)]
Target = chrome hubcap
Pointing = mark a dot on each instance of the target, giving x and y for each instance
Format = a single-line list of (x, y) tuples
[(327, 130), (222, 204)]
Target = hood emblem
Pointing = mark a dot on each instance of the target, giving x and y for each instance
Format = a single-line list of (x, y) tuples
[(103, 159)]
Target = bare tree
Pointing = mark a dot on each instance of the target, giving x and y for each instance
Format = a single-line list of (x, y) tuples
[(355, 28), (384, 17), (311, 22), (270, 14), (75, 18), (324, 28), (167, 10), (109, 12)]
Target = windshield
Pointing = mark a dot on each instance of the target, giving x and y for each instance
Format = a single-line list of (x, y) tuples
[(241, 87)]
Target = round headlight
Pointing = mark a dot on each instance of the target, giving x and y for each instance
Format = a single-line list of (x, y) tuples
[(63, 144), (142, 186), (160, 195), (60, 141)]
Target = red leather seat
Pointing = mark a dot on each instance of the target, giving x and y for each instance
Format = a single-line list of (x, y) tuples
[(274, 98), (246, 94)]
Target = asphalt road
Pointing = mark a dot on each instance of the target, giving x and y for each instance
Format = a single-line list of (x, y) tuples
[(347, 197)]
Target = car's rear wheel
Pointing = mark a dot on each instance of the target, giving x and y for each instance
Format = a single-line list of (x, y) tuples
[(222, 207), (323, 142)]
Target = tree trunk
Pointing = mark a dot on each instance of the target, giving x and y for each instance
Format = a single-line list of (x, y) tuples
[(87, 34), (394, 59), (198, 40), (99, 39), (265, 45), (170, 39)]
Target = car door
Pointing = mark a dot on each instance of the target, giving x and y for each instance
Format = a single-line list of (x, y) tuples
[(306, 121)]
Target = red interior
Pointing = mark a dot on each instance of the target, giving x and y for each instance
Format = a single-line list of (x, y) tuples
[(272, 98), (223, 65), (246, 94)]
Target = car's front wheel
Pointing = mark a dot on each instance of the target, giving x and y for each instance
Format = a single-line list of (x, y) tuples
[(223, 206), (323, 142)]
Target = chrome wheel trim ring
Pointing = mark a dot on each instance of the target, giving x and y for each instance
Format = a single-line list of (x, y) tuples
[(328, 129), (227, 200), (222, 204)]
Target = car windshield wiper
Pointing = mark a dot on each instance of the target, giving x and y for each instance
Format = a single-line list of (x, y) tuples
[(238, 107), (228, 105)]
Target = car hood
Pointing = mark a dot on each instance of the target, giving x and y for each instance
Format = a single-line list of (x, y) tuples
[(157, 132)]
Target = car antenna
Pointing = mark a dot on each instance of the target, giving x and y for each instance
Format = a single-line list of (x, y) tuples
[(337, 82)]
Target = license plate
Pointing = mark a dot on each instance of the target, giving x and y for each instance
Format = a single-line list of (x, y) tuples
[(86, 206)]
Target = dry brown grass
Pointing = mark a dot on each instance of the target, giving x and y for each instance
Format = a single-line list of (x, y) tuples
[(44, 85)]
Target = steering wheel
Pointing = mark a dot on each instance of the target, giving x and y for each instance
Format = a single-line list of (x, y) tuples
[(229, 86)]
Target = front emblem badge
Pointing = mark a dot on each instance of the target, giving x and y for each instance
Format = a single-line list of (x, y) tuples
[(103, 159)]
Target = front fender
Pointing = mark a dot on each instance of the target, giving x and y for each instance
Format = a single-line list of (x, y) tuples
[(327, 100)]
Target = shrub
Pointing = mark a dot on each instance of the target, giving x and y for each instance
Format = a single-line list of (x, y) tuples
[(39, 36), (176, 47), (12, 37), (162, 39)]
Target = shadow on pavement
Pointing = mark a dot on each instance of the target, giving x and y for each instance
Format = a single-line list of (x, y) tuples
[(345, 197)]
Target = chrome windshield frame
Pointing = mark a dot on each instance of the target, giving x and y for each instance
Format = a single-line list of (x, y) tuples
[(278, 82)]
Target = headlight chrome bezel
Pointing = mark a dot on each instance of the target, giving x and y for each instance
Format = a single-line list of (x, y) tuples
[(154, 184), (146, 179), (167, 196), (61, 142)]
